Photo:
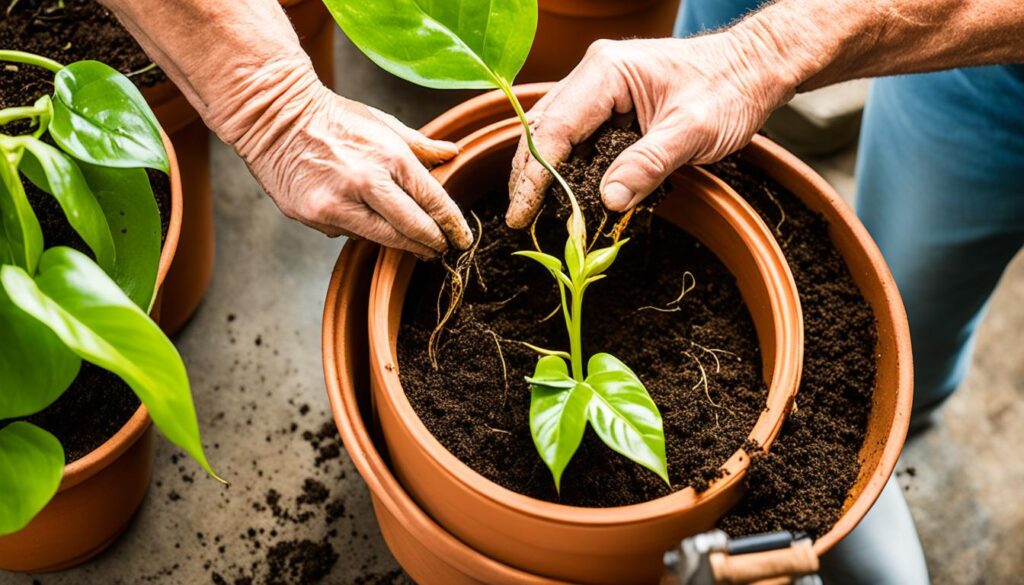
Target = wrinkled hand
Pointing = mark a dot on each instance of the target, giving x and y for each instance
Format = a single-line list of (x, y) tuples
[(696, 101), (339, 166)]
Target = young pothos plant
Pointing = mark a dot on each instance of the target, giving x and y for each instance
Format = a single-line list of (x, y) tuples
[(88, 146), (482, 44)]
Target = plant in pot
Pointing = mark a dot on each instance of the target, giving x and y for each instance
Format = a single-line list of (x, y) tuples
[(480, 45), (88, 147)]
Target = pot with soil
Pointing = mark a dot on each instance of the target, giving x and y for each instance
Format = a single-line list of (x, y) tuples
[(850, 423), (566, 28), (458, 431)]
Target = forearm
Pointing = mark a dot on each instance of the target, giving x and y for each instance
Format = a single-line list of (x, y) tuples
[(813, 43)]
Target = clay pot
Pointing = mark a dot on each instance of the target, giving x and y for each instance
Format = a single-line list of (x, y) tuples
[(191, 275), (99, 493), (610, 545), (565, 28)]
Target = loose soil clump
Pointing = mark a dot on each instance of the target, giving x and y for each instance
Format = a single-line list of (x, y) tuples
[(699, 358)]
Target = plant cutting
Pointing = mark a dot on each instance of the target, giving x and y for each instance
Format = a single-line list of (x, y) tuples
[(474, 44), (88, 146)]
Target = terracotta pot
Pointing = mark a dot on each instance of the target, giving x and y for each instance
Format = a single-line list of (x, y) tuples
[(565, 28), (611, 545), (100, 492), (191, 275)]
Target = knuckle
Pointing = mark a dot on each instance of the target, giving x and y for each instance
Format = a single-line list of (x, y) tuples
[(603, 49), (653, 158)]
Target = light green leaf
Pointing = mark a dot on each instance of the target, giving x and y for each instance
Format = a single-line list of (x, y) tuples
[(100, 117), (31, 466), (96, 320), (573, 259), (21, 238), (443, 44), (558, 414), (600, 260), (546, 260), (126, 197), (35, 365), (624, 415), (56, 173)]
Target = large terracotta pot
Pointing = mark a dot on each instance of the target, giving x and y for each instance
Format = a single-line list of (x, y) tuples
[(565, 28), (99, 493), (609, 545), (191, 275)]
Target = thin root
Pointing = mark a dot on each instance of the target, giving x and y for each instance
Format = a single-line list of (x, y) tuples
[(782, 212), (673, 305), (504, 367), (707, 392), (597, 232), (458, 278), (620, 226), (551, 314)]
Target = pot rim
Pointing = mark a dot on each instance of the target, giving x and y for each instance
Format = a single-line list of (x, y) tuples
[(785, 372), (594, 9), (99, 458)]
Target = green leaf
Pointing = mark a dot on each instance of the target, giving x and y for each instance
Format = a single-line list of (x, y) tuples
[(600, 260), (624, 415), (21, 238), (35, 365), (546, 260), (558, 414), (126, 197), (31, 466), (443, 44), (96, 320), (100, 117), (56, 173)]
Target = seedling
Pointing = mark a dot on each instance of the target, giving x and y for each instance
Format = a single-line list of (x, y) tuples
[(482, 44), (91, 143)]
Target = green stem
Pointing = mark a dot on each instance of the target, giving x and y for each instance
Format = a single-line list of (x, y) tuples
[(575, 336), (9, 115), (30, 59)]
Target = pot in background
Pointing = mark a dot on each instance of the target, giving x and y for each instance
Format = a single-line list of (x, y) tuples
[(592, 545), (565, 28), (99, 493)]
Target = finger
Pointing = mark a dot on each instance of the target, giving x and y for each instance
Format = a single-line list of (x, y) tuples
[(405, 215), (429, 152), (641, 168), (435, 201), (368, 224)]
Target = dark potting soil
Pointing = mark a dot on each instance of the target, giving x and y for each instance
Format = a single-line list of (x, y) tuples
[(802, 484), (480, 410), (81, 29)]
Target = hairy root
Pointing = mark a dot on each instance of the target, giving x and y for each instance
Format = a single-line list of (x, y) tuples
[(455, 284)]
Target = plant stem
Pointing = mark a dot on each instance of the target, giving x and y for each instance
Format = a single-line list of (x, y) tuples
[(575, 336), (30, 59), (9, 115)]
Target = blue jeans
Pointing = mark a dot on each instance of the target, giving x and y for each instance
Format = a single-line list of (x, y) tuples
[(940, 186)]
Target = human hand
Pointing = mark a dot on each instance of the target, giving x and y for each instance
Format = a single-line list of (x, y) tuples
[(696, 101)]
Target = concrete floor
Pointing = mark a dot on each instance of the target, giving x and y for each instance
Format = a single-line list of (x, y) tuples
[(253, 352)]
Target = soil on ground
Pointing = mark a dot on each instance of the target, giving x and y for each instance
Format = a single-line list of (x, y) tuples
[(80, 30), (479, 409)]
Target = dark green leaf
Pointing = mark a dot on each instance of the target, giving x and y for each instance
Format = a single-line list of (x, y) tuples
[(31, 466), (624, 415), (444, 44), (546, 260), (35, 365), (558, 414), (127, 200), (100, 117), (56, 173), (21, 238), (87, 310)]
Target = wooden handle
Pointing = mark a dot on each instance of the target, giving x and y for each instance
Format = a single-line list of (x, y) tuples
[(794, 561)]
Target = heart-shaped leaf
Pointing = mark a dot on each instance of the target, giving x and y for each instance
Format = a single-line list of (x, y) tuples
[(100, 117), (31, 466), (443, 44), (558, 414), (95, 319), (624, 415), (56, 173), (21, 238), (35, 365)]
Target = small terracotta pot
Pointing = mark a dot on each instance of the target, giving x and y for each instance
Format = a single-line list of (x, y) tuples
[(565, 28), (100, 492), (191, 275), (610, 545)]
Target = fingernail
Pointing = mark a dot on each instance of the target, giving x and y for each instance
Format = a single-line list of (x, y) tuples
[(617, 196)]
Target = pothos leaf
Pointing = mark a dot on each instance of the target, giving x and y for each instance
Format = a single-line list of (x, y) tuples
[(443, 44), (558, 414), (21, 237), (31, 466), (95, 319), (624, 415)]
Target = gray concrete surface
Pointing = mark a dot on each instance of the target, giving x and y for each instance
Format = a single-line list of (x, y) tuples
[(253, 352)]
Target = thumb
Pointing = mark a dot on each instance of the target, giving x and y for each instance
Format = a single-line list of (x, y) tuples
[(429, 152), (640, 169)]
